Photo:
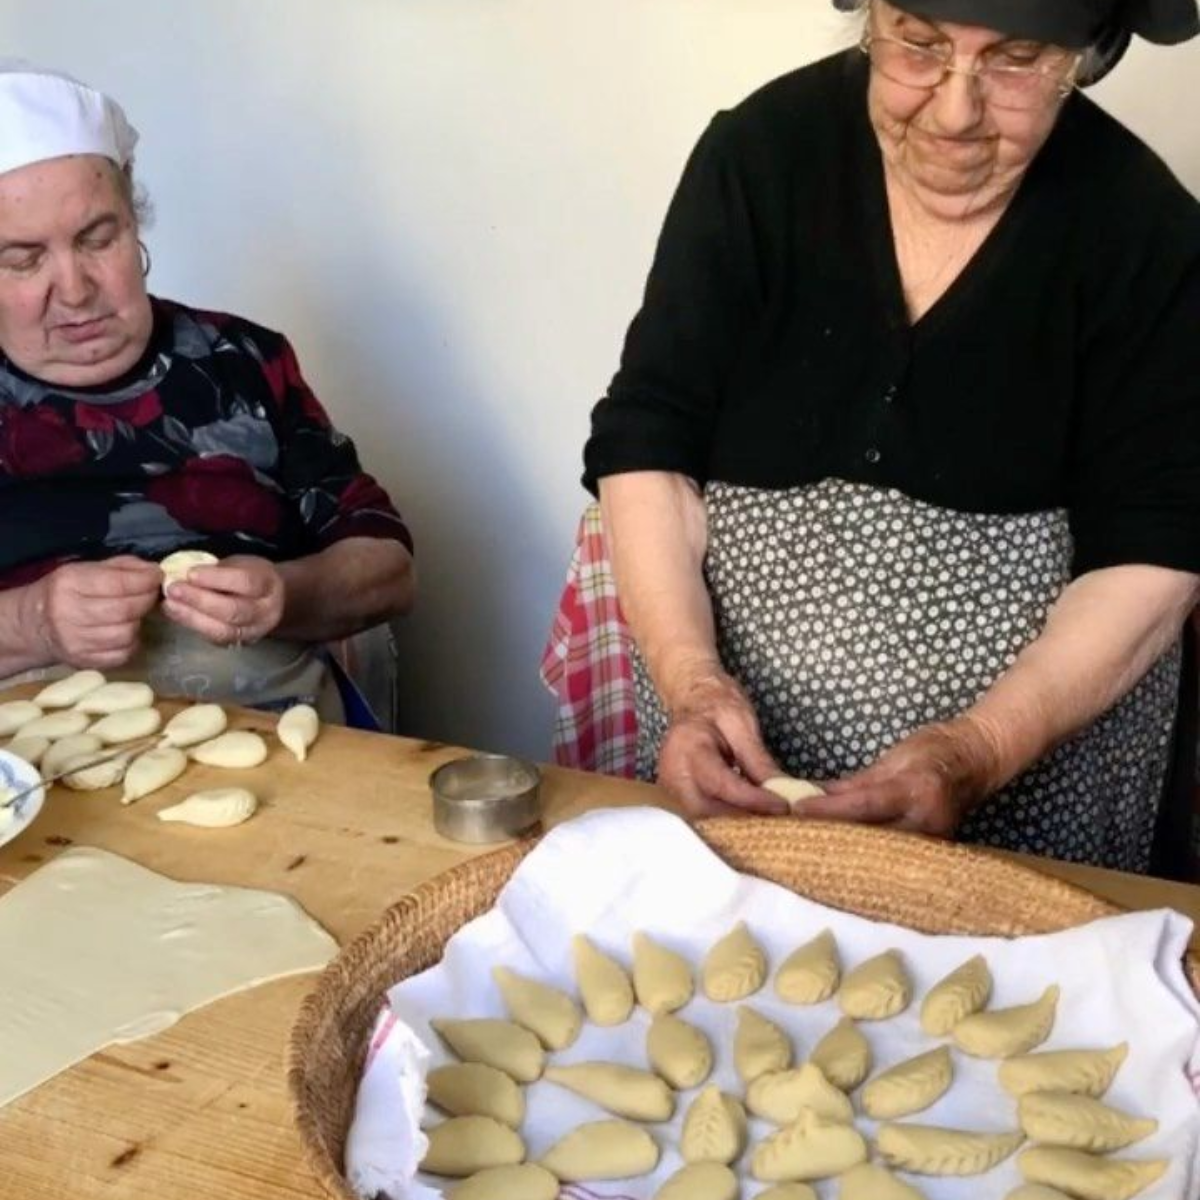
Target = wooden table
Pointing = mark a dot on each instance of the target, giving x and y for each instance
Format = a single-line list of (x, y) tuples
[(201, 1111)]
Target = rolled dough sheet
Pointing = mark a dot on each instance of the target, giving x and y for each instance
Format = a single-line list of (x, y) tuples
[(95, 950)]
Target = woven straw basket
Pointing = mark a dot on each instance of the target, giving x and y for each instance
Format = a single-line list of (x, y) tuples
[(932, 886)]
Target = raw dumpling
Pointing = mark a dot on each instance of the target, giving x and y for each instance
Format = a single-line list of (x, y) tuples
[(876, 989), (463, 1145), (191, 726), (843, 1055), (238, 748), (602, 1150), (623, 1091), (151, 771), (606, 989), (1036, 1191), (869, 1182), (1061, 1119), (298, 729), (17, 713), (175, 567), (93, 776), (781, 1095), (476, 1090), (700, 1181), (788, 1191), (31, 749), (759, 1046), (793, 790), (810, 1148), (963, 992), (64, 723), (735, 967), (679, 1052), (662, 979), (216, 808), (1003, 1032), (129, 725), (527, 1181), (714, 1129), (548, 1012), (63, 753), (930, 1150), (1087, 1072), (910, 1086), (811, 973), (1088, 1176), (500, 1044), (116, 697), (63, 693)]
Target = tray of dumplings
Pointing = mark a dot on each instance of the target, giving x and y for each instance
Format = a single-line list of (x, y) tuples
[(628, 1016)]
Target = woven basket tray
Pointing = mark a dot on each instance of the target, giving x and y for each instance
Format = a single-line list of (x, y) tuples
[(932, 886)]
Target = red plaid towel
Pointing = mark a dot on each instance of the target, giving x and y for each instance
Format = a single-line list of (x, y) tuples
[(586, 663)]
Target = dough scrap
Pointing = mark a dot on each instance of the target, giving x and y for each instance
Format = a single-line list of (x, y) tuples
[(793, 790), (30, 749), (735, 967), (809, 1148), (1086, 1072), (759, 1045), (870, 1182), (63, 753), (876, 989), (175, 567), (700, 1181), (714, 1129), (1087, 1176), (464, 1145), (604, 985), (781, 1096), (298, 729), (527, 1181), (501, 1044), (844, 1055), (195, 724), (63, 693), (216, 808), (679, 1052), (964, 991), (623, 1091), (602, 1150), (1063, 1119), (151, 771), (546, 1011), (662, 979), (467, 1089), (129, 725), (811, 973), (115, 697), (63, 723), (932, 1150), (909, 1087), (1004, 1032), (14, 714), (235, 749)]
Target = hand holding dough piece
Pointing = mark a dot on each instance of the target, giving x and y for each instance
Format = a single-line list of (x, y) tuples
[(194, 725), (700, 1181), (844, 1055), (876, 989), (811, 973), (1063, 1119), (793, 790), (606, 989), (63, 693), (782, 1095), (679, 1052), (931, 1150), (621, 1090), (116, 697), (464, 1145), (1086, 1072), (176, 567), (735, 967), (501, 1044), (870, 1182), (1004, 1032), (602, 1150), (810, 1148), (476, 1090), (216, 808), (236, 749), (298, 729), (909, 1087), (548, 1012), (526, 1181), (964, 991), (759, 1045), (714, 1129), (1087, 1176), (129, 725), (151, 771), (14, 714), (662, 979)]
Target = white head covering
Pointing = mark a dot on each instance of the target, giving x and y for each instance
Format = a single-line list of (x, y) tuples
[(46, 114)]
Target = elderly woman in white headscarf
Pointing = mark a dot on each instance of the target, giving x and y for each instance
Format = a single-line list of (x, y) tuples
[(132, 427), (901, 469)]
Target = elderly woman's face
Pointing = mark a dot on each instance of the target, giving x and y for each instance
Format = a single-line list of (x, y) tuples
[(959, 148), (73, 304)]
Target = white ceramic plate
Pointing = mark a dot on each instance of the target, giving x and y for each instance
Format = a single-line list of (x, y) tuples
[(16, 773)]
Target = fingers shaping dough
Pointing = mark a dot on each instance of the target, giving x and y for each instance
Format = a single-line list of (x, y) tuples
[(501, 1044), (31, 749), (1087, 1176), (298, 729), (126, 726), (623, 1091), (679, 1052), (602, 1150), (476, 1090), (1003, 1032), (1086, 1072), (463, 1145), (63, 693), (604, 986), (236, 749), (759, 1046), (811, 973), (548, 1012), (216, 808), (876, 989), (909, 1087), (735, 967), (56, 725), (964, 991), (869, 1182), (794, 791), (714, 1129), (175, 567), (700, 1181), (931, 1150), (17, 713), (116, 697), (64, 752), (151, 771), (1061, 1119), (527, 1181), (662, 979), (782, 1095), (810, 1148), (844, 1055), (191, 726)]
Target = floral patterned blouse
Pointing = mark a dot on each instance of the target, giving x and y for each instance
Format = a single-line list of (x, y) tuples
[(212, 441)]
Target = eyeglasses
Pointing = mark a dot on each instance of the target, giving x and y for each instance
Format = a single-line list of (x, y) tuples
[(1019, 86)]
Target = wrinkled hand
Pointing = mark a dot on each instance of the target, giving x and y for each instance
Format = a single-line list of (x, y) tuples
[(237, 602), (90, 614), (713, 756), (927, 783)]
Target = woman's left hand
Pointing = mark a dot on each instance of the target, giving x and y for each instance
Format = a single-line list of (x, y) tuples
[(235, 603), (927, 783)]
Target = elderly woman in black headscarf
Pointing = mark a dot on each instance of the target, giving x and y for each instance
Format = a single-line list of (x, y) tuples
[(901, 469)]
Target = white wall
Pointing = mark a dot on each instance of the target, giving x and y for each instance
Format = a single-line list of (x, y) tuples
[(449, 206)]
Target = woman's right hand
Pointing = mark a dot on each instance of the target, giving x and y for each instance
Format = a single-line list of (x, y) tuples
[(90, 614), (713, 757)]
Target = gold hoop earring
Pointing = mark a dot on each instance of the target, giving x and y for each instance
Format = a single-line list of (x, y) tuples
[(146, 260)]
